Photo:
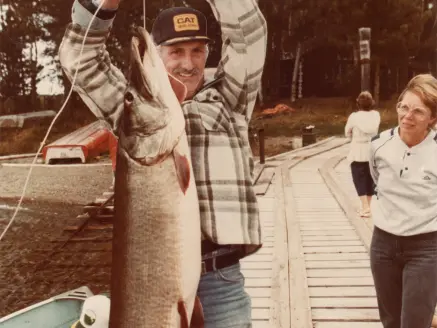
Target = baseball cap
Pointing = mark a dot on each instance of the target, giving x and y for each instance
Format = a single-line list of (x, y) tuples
[(179, 24)]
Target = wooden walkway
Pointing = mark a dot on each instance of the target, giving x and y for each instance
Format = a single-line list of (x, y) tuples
[(314, 268)]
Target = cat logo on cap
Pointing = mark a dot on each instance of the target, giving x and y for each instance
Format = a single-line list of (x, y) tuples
[(186, 22)]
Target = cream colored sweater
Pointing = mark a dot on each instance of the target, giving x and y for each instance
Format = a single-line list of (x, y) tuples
[(361, 126)]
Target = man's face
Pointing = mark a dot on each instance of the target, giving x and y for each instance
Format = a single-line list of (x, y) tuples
[(186, 61)]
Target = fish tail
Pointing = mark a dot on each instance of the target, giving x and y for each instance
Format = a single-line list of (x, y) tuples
[(182, 309), (197, 318)]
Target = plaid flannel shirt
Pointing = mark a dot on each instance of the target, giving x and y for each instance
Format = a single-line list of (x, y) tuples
[(216, 118)]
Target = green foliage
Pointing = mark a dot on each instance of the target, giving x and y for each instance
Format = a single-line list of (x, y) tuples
[(401, 33)]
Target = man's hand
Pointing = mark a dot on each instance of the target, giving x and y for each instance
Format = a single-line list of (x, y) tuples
[(107, 4)]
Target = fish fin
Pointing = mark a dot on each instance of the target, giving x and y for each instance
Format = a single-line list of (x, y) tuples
[(182, 309), (178, 87), (197, 318), (182, 170)]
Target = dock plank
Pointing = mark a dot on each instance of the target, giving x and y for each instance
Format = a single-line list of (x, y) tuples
[(344, 302), (300, 314), (348, 237), (280, 306), (258, 282), (316, 223), (332, 233), (261, 324), (336, 256), (356, 291), (346, 314), (337, 264), (259, 258), (260, 314), (257, 273), (258, 292), (331, 243), (305, 227), (349, 324), (261, 302), (328, 273), (335, 249), (341, 281)]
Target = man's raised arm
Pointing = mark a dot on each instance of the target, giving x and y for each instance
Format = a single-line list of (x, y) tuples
[(99, 83), (244, 35)]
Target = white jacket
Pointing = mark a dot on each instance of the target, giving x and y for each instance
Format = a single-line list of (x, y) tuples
[(361, 126), (406, 184)]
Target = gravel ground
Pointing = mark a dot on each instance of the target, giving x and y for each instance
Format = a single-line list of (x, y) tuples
[(54, 197), (74, 184)]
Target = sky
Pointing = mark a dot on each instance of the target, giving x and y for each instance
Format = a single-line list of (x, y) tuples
[(49, 85)]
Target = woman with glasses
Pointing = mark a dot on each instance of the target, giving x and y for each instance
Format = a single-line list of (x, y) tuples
[(403, 164), (361, 126)]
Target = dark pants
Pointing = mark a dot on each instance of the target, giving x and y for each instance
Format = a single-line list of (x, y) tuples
[(404, 270), (362, 179)]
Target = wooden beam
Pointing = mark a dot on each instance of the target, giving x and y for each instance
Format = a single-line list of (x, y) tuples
[(280, 309), (328, 174), (300, 307)]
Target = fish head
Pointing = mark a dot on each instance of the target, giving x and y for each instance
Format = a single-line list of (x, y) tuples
[(152, 120)]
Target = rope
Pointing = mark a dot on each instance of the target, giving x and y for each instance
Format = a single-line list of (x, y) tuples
[(51, 125), (144, 14)]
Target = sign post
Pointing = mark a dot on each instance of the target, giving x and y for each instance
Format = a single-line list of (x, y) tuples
[(364, 34)]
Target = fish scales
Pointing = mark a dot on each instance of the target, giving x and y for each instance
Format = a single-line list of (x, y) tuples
[(156, 241)]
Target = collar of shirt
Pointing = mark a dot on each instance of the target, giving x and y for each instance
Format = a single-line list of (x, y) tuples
[(429, 140)]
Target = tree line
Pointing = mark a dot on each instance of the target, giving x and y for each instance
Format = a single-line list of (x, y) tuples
[(321, 34)]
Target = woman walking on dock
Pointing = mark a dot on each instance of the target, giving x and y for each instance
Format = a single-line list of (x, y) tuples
[(361, 126)]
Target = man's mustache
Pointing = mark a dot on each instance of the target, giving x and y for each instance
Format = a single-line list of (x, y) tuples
[(194, 71)]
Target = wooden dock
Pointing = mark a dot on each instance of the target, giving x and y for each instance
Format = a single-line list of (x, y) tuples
[(313, 270)]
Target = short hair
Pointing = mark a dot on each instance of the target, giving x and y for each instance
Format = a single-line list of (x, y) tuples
[(365, 100), (425, 87)]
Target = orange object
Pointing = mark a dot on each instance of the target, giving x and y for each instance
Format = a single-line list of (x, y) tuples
[(84, 144), (112, 143), (278, 109)]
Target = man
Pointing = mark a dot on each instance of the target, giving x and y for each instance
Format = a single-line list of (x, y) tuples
[(217, 113)]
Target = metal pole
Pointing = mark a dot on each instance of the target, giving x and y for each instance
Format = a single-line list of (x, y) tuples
[(364, 34), (262, 156)]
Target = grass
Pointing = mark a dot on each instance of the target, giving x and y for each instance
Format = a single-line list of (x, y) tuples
[(328, 115)]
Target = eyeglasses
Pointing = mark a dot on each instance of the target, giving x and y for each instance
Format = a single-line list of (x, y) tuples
[(418, 112)]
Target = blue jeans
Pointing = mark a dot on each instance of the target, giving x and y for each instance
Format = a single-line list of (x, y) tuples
[(224, 300), (405, 274)]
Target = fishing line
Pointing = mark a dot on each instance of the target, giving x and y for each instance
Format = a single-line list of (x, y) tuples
[(52, 123), (144, 13)]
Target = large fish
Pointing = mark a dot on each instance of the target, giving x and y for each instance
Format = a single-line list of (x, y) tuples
[(156, 243)]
